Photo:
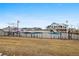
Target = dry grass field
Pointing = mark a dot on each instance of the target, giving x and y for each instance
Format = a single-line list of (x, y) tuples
[(15, 46)]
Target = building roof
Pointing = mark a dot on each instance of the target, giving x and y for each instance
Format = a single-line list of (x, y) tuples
[(57, 24)]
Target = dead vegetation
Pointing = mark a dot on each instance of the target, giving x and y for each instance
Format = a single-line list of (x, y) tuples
[(19, 46)]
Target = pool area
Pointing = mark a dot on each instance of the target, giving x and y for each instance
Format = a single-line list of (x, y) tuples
[(52, 35), (41, 34), (46, 34)]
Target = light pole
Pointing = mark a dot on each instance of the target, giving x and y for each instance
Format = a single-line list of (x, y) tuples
[(11, 28)]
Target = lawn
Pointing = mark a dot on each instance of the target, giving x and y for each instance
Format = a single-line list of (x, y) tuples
[(19, 46)]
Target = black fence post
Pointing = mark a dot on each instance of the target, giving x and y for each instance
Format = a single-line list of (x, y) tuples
[(60, 35)]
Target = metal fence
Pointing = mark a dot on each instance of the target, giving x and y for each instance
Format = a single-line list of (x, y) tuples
[(50, 35), (47, 35)]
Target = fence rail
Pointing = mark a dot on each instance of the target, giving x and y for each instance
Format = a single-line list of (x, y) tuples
[(47, 35)]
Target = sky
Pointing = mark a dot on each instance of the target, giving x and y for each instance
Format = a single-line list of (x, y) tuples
[(38, 14)]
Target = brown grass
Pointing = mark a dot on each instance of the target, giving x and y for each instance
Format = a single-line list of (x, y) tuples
[(38, 47)]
